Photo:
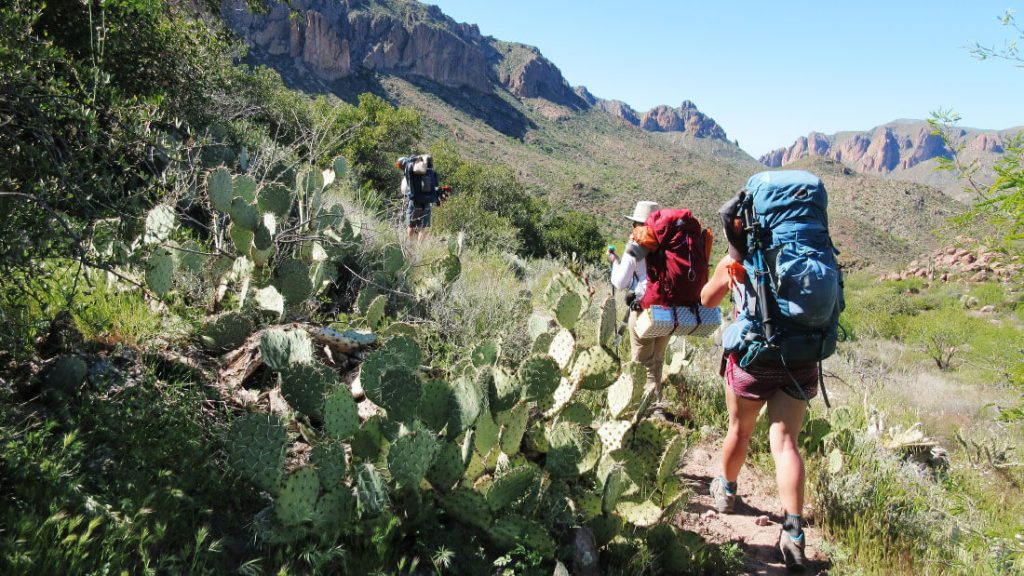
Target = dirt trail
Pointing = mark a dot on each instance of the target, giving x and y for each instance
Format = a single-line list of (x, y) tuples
[(757, 497)]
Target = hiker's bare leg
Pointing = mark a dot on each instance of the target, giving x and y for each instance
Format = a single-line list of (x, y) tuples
[(786, 415), (742, 418)]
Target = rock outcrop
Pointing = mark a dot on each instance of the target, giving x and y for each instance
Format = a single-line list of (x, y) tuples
[(894, 147), (528, 74), (957, 263), (331, 40), (686, 118)]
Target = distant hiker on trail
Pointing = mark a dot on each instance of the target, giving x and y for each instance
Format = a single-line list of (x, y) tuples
[(787, 295), (421, 189), (665, 264)]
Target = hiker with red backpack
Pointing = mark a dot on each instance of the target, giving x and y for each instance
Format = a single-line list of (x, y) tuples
[(786, 290), (664, 267)]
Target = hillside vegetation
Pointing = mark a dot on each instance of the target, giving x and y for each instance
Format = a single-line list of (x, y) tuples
[(222, 354)]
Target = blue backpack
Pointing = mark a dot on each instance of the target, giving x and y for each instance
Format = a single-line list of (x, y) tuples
[(794, 287)]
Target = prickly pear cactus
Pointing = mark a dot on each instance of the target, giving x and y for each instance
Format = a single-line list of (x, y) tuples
[(562, 348), (282, 349), (331, 463), (568, 309), (219, 189), (625, 394), (540, 377), (411, 455), (296, 501), (292, 280), (608, 324), (398, 390), (160, 271), (305, 385), (226, 332), (375, 311), (65, 375), (486, 353), (341, 416), (594, 369), (256, 445)]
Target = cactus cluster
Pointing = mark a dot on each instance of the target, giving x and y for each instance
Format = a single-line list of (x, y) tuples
[(515, 454), (275, 239)]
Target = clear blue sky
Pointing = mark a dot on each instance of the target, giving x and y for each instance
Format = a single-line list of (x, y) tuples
[(769, 72)]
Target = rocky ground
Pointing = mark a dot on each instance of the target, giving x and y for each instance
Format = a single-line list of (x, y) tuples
[(959, 263), (754, 525)]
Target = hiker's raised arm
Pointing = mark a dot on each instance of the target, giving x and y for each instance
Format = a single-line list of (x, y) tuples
[(718, 286), (622, 272)]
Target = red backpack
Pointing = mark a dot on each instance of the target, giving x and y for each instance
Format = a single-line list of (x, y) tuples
[(678, 268)]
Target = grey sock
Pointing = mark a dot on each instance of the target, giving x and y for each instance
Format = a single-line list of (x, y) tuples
[(792, 526)]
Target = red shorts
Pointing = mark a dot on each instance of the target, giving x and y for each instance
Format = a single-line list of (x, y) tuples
[(761, 382)]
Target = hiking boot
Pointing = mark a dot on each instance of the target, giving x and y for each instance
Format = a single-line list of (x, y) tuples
[(725, 500), (792, 550), (658, 411)]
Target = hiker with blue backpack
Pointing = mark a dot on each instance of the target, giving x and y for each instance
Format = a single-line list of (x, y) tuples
[(787, 294)]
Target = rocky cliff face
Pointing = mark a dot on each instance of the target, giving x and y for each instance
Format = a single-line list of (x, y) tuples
[(334, 39), (686, 118), (895, 147)]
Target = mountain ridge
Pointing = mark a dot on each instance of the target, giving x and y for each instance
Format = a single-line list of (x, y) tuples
[(339, 39), (903, 149)]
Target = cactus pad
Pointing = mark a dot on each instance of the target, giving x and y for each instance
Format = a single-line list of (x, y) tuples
[(468, 507), (613, 434), (66, 374), (540, 376), (466, 404), (242, 238), (281, 349), (244, 187), (219, 189), (448, 269), (670, 459), (330, 462), (562, 347), (625, 394), (643, 514), (594, 369), (615, 485), (160, 271), (392, 259), (256, 445), (447, 468), (486, 353), (341, 416), (512, 432), (561, 398), (263, 237), (371, 491), (434, 405), (335, 509), (567, 310), (486, 437), (366, 295), (510, 487), (368, 442), (503, 391), (304, 386), (404, 350), (226, 332), (160, 223), (347, 342), (269, 300), (244, 215), (375, 311), (293, 282), (537, 325), (398, 390), (542, 343), (569, 446), (609, 318), (512, 530), (410, 457), (340, 166), (275, 199), (296, 501)]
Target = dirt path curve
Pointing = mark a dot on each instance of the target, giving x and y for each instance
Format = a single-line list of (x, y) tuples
[(757, 497)]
